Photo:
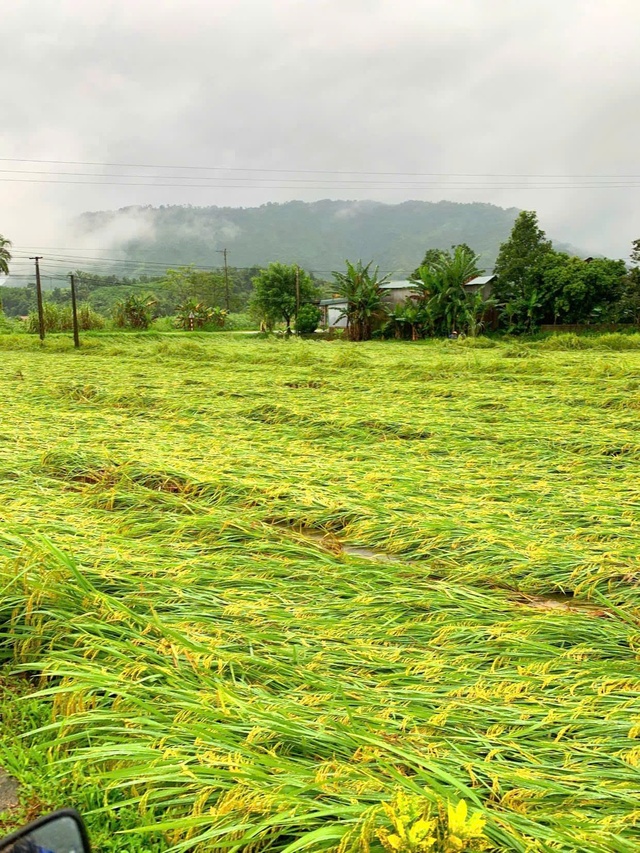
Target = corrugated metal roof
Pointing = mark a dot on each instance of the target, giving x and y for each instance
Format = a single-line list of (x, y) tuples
[(397, 285), (480, 279), (339, 301)]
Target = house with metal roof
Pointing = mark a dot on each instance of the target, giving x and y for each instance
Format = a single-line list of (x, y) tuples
[(481, 284), (395, 292), (399, 291), (333, 316)]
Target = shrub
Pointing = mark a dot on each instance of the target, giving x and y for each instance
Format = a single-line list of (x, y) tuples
[(241, 322), (308, 319), (164, 324), (134, 312), (200, 314)]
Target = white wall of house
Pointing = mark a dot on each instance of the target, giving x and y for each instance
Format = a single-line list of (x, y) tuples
[(398, 295), (334, 320), (397, 292)]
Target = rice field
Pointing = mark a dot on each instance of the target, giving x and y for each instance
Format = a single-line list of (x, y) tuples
[(271, 595)]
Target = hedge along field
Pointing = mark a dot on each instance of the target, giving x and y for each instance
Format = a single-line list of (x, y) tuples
[(299, 595)]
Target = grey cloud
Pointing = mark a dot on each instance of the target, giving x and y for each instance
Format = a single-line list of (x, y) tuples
[(472, 86)]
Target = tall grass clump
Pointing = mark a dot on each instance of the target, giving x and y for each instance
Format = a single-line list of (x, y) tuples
[(59, 318)]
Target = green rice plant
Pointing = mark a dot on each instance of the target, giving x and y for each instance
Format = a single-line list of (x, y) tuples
[(267, 595)]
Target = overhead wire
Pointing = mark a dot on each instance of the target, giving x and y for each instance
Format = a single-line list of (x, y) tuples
[(131, 270), (315, 171), (157, 266), (334, 185), (450, 181)]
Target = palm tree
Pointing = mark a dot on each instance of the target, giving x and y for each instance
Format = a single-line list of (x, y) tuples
[(5, 255), (363, 292)]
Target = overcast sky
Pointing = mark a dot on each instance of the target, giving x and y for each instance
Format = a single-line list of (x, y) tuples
[(469, 89)]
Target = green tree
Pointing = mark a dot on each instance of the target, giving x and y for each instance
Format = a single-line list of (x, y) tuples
[(363, 292), (275, 296), (434, 257), (5, 255), (17, 301), (575, 291), (627, 309), (189, 283), (566, 289), (518, 266)]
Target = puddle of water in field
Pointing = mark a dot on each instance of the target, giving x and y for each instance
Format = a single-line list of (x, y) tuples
[(368, 554), (330, 542), (558, 601), (562, 602)]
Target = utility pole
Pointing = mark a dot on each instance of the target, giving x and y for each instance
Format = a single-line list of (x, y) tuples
[(297, 296), (37, 259), (74, 310), (223, 252)]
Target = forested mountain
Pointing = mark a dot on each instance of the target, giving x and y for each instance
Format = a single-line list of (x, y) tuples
[(317, 235)]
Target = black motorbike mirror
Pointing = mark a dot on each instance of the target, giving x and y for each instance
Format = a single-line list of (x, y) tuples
[(60, 832)]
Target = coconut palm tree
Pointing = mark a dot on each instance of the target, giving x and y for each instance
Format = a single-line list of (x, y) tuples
[(363, 292), (5, 255)]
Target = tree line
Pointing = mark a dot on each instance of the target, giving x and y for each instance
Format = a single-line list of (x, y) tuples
[(537, 285), (534, 285)]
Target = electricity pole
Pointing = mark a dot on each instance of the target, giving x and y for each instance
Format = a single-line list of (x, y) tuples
[(39, 296), (74, 309), (297, 296), (223, 252)]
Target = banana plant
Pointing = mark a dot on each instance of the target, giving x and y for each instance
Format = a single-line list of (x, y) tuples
[(441, 288), (362, 290)]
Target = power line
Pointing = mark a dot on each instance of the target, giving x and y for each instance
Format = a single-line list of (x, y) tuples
[(309, 171), (432, 187), (135, 281), (152, 266), (450, 180)]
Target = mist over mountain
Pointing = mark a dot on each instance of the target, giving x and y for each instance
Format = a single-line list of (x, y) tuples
[(317, 235)]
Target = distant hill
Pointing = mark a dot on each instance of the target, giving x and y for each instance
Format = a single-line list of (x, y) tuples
[(318, 235)]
